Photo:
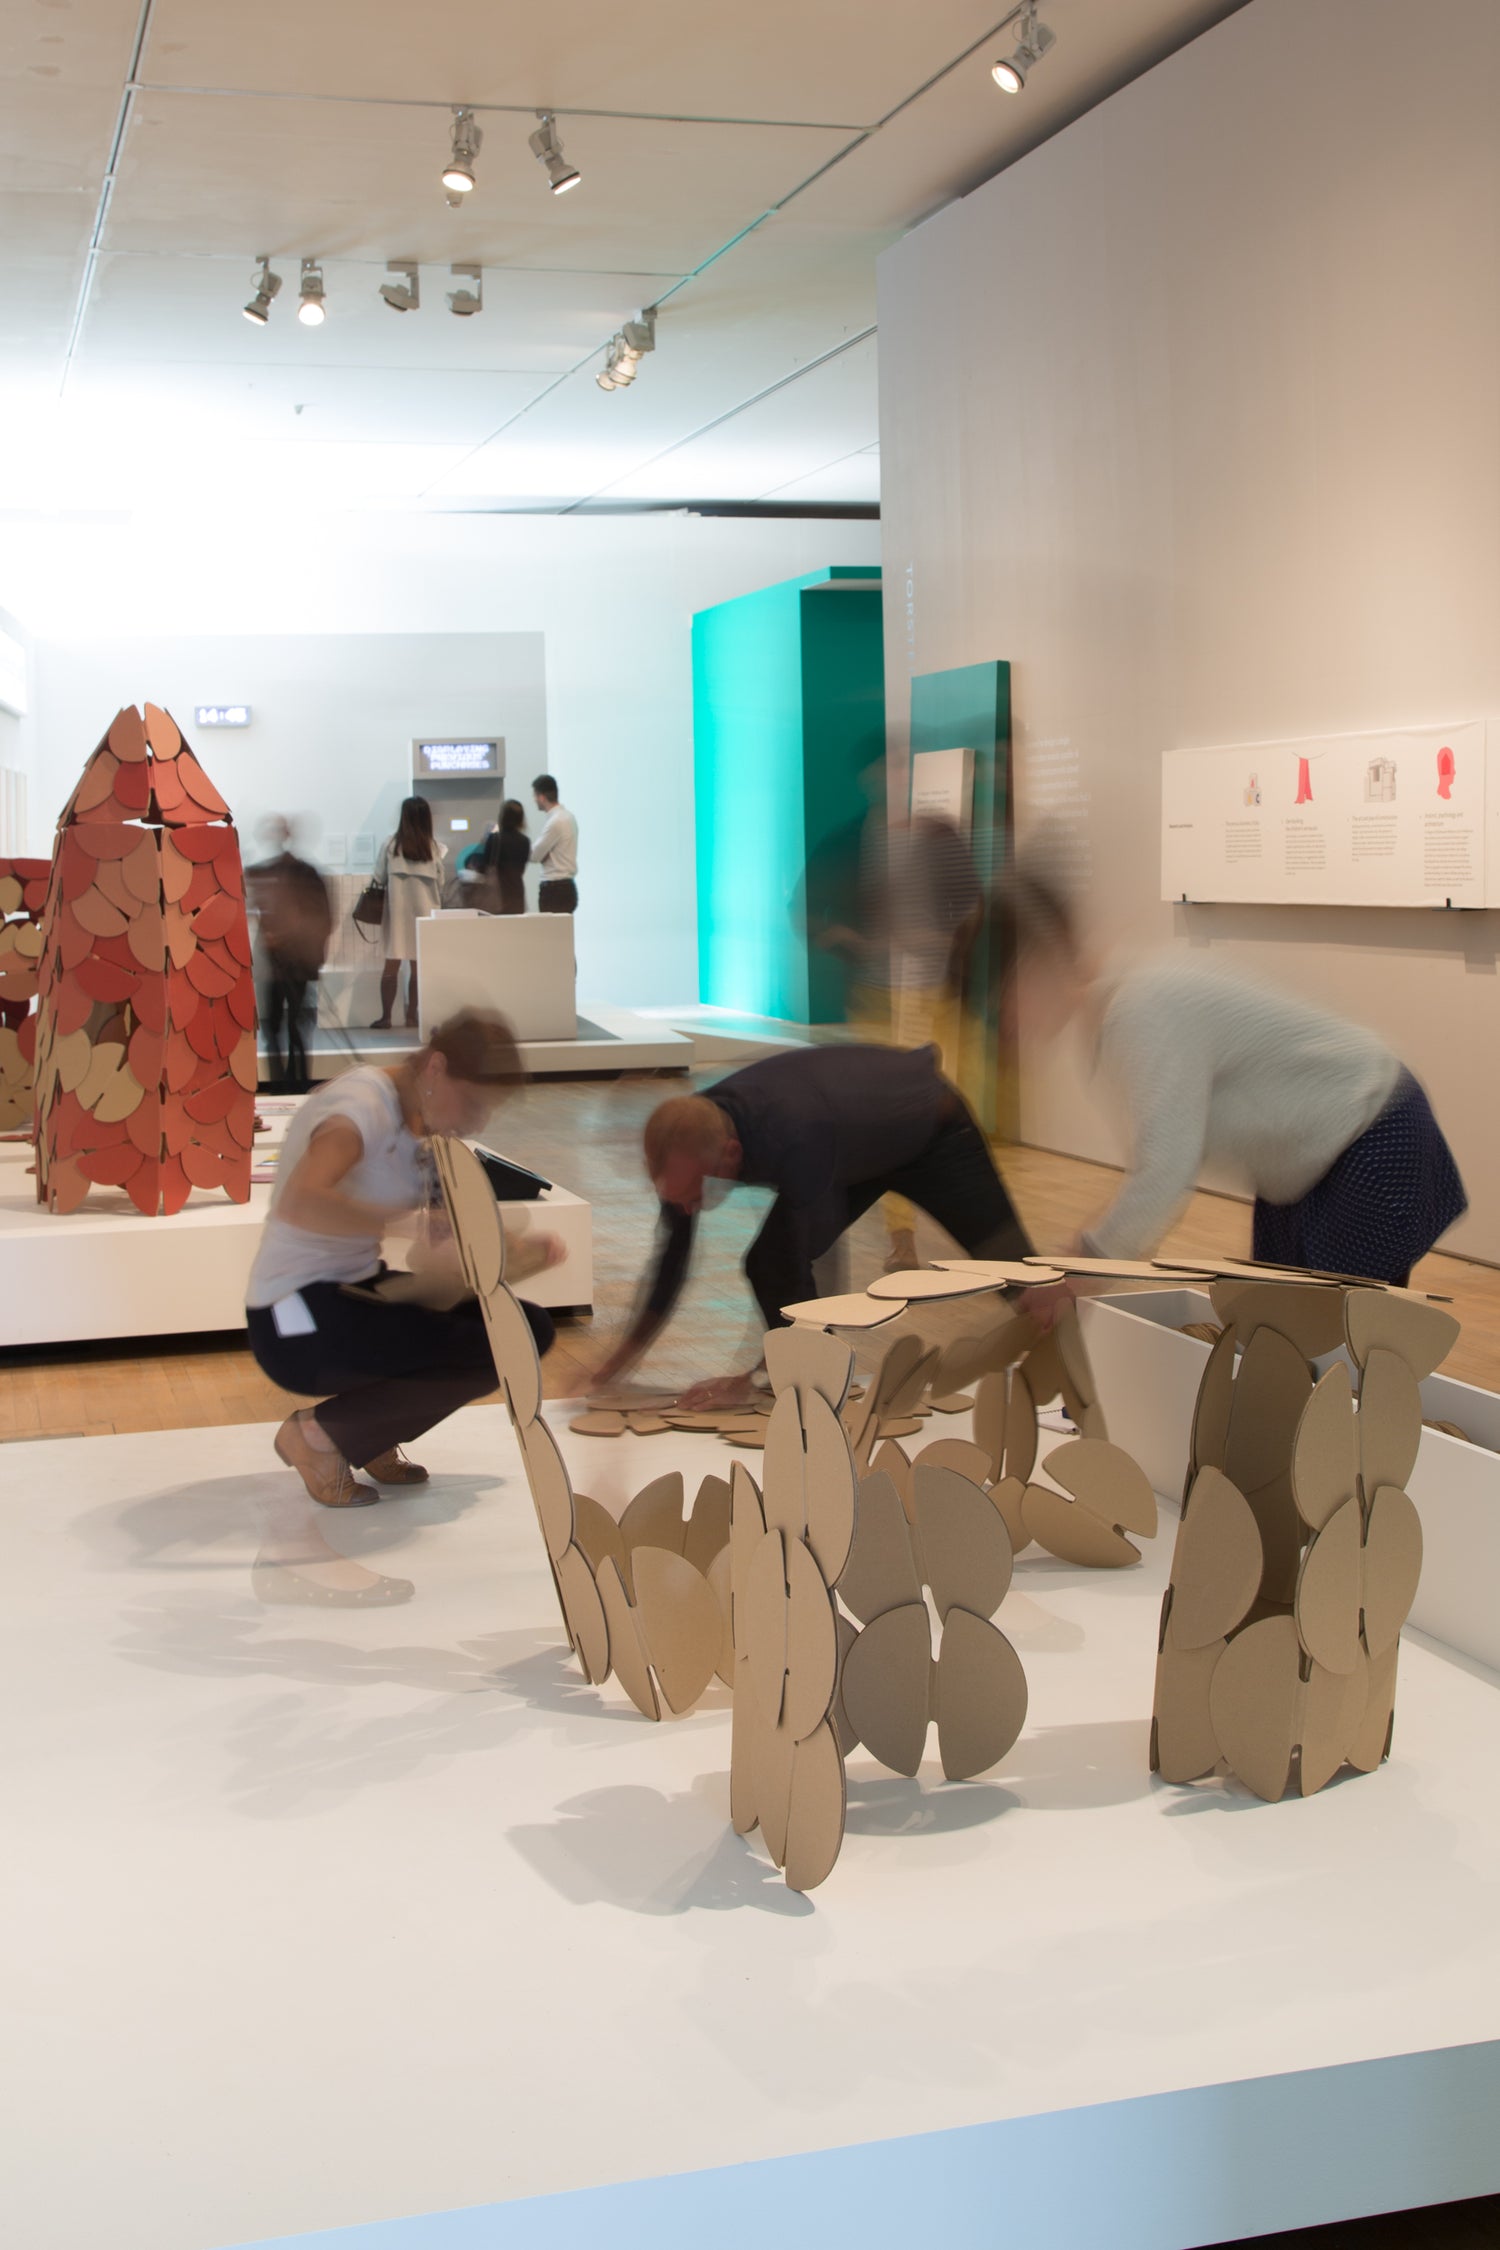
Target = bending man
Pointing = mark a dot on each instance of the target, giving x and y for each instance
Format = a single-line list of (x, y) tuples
[(831, 1129)]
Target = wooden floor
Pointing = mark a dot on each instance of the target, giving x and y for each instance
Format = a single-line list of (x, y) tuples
[(588, 1136)]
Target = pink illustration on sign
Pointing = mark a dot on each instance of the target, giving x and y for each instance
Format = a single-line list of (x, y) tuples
[(1304, 782), (1447, 769)]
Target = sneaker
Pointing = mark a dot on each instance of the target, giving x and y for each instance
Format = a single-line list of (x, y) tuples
[(393, 1468), (328, 1476)]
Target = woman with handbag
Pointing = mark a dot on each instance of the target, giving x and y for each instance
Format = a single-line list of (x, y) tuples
[(413, 872)]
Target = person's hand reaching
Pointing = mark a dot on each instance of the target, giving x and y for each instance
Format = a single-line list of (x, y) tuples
[(719, 1391)]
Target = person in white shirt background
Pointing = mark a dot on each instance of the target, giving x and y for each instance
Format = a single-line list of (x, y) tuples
[(555, 850)]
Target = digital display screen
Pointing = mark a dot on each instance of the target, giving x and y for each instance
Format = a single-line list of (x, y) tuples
[(222, 714), (442, 761)]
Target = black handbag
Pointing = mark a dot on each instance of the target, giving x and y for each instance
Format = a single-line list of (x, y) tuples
[(369, 907)]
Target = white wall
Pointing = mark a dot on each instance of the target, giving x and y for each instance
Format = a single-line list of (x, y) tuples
[(613, 597), (1192, 415)]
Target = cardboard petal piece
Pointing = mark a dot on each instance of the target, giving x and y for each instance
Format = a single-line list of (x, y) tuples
[(719, 1587), (1008, 1498), (965, 1550), (1210, 1438), (1312, 1318), (1254, 1699), (784, 1489), (1392, 1567), (1421, 1334), (747, 1528), (596, 1533), (1216, 1563), (980, 1692), (598, 1425), (627, 1658), (848, 1633), (931, 1281), (1271, 1391), (1006, 1273), (804, 1360), (1021, 1431), (966, 1460), (880, 1573), (584, 1613), (853, 1310), (1072, 1534), (811, 1643), (513, 1349), (679, 1623), (1325, 1453), (890, 1461), (1184, 1745), (1371, 1739), (551, 1492), (1390, 1420), (708, 1525), (1328, 1588), (1108, 1482), (772, 1756), (1333, 1705), (815, 1816), (744, 1726), (991, 1407), (654, 1517), (1113, 1269), (830, 1502), (991, 1351), (761, 1626), (887, 1684), (957, 1402)]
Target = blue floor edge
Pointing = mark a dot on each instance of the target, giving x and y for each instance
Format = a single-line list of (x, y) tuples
[(1163, 2172)]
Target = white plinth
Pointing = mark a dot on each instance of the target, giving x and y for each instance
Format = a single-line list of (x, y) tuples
[(328, 1917), (107, 1271), (521, 964)]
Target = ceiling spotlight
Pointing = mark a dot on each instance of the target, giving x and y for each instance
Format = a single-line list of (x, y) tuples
[(404, 295), (458, 172), (547, 149), (310, 294), (266, 286), (1032, 41), (626, 351), (466, 301)]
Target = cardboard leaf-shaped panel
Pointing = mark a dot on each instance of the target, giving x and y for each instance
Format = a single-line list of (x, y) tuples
[(1216, 1563), (708, 1525), (966, 1556), (811, 1643), (830, 1485), (1372, 1737), (550, 1490), (654, 1517), (1255, 1702), (679, 1622), (887, 1683), (1328, 1588), (991, 1407), (1325, 1454), (784, 1490), (1311, 1318), (981, 1696), (852, 1310), (1392, 1567), (1106, 1480), (584, 1612), (513, 1349), (816, 1810), (880, 1573), (773, 1754), (761, 1625), (1210, 1437), (1008, 1499), (991, 1351), (966, 1460), (474, 1215), (908, 1393), (1271, 1390), (934, 1281), (596, 1533), (1333, 1704), (744, 1726), (802, 1359), (627, 1657), (1390, 1420), (1184, 1745), (1422, 1335), (1072, 1534)]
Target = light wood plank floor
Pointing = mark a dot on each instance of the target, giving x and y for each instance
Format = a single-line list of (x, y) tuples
[(588, 1135)]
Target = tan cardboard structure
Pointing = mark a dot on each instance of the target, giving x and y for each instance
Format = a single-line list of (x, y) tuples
[(647, 1597), (23, 895), (1298, 1554)]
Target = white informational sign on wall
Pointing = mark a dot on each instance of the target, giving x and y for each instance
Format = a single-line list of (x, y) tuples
[(1394, 819), (942, 786)]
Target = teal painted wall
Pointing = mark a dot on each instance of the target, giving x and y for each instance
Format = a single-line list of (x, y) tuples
[(969, 708), (788, 710)]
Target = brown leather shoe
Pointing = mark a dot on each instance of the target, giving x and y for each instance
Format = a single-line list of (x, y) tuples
[(394, 1468), (328, 1476)]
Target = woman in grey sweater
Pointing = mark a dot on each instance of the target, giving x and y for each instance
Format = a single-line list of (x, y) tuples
[(1334, 1137)]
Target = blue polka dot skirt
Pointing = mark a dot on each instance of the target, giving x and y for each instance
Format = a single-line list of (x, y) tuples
[(1379, 1207)]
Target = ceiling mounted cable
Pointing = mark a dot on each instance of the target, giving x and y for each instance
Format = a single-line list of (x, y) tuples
[(547, 149), (310, 309), (1032, 42), (458, 172), (266, 286)]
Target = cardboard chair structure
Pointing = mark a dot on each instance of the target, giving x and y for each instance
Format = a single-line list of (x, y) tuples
[(1299, 1551), (646, 1598), (145, 1040), (23, 895)]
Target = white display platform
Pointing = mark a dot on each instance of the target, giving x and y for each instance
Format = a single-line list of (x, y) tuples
[(107, 1271), (607, 1040), (338, 1918), (1148, 1378), (522, 964)]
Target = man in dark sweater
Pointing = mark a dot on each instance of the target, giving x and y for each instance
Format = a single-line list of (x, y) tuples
[(831, 1129)]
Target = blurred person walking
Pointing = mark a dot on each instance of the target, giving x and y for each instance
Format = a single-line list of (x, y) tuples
[(555, 850), (294, 919), (412, 867), (1331, 1133)]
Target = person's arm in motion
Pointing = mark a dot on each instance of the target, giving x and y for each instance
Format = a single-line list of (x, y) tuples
[(674, 1251), (312, 1196), (1167, 1082)]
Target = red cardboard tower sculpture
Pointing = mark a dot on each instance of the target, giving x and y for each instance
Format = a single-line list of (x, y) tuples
[(23, 894), (145, 1042)]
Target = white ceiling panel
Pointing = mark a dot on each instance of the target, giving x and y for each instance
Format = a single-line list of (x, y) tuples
[(305, 405), (855, 476), (837, 60)]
